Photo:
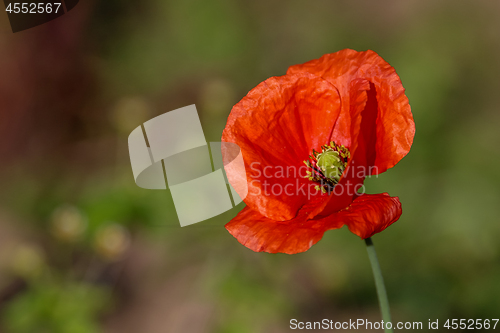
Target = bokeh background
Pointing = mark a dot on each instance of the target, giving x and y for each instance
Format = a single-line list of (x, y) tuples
[(84, 250)]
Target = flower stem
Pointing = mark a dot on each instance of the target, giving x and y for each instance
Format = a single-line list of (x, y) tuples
[(379, 284)]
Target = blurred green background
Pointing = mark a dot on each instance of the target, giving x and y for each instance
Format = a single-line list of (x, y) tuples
[(84, 250)]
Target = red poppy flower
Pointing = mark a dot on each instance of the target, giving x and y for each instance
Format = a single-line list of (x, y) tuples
[(346, 116)]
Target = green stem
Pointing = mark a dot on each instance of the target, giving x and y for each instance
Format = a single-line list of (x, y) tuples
[(379, 284)]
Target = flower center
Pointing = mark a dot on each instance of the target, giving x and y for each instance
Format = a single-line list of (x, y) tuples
[(327, 167)]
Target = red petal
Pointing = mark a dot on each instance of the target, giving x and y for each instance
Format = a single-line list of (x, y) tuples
[(395, 125), (277, 125), (363, 114), (370, 214), (262, 234)]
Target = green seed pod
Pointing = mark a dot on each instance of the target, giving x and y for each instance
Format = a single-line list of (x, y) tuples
[(330, 163)]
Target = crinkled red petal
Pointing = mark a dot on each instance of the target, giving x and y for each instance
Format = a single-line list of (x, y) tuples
[(370, 214), (367, 215), (363, 111), (262, 234), (277, 125), (395, 127)]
